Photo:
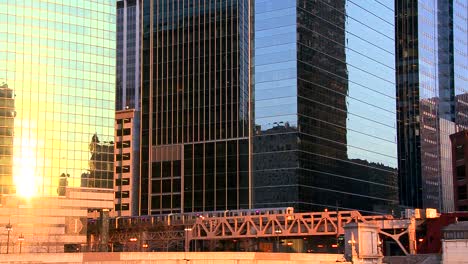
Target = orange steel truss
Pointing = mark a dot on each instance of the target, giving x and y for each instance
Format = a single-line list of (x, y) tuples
[(272, 225), (295, 224), (172, 229)]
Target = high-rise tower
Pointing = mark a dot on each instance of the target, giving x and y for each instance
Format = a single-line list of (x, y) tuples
[(195, 148), (268, 103), (128, 101), (57, 97), (432, 60), (324, 105)]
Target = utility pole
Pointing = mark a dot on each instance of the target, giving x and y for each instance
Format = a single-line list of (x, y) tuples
[(8, 228), (21, 239)]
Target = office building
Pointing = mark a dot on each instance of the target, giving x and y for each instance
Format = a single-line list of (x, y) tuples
[(57, 73), (268, 104), (126, 180), (460, 176), (127, 105), (432, 91), (194, 106), (324, 105), (128, 55)]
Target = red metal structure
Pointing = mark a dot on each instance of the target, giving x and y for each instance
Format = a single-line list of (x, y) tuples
[(430, 234)]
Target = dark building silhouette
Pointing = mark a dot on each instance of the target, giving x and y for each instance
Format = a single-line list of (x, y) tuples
[(460, 174), (63, 183), (7, 126), (101, 165)]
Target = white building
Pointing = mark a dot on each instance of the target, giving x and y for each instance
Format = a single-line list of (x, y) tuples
[(455, 243)]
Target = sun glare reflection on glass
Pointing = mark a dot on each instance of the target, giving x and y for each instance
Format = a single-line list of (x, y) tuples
[(24, 171)]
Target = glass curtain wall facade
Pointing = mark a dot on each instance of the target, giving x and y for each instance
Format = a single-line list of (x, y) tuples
[(275, 140), (432, 96), (325, 121), (194, 106), (57, 66), (321, 103), (128, 55), (459, 14), (417, 101), (458, 11)]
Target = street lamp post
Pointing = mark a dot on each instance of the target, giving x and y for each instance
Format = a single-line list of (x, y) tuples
[(21, 239), (145, 246), (133, 240), (352, 243), (187, 239), (8, 228), (277, 232)]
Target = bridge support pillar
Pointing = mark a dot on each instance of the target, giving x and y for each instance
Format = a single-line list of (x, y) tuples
[(104, 230), (363, 245)]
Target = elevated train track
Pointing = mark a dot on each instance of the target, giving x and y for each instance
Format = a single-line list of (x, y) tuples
[(257, 223)]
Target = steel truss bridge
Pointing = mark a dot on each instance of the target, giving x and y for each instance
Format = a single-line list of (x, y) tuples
[(165, 233), (328, 223)]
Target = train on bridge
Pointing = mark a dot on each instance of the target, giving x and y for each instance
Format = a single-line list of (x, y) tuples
[(190, 218)]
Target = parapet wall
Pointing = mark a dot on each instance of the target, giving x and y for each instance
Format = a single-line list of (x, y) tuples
[(174, 258)]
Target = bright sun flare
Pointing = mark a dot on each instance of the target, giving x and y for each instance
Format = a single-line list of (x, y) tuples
[(24, 171)]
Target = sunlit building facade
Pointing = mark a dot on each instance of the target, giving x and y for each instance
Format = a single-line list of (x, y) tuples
[(126, 176), (58, 59), (268, 104)]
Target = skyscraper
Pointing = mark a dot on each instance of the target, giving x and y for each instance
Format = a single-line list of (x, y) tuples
[(324, 105), (128, 106), (194, 106), (57, 75), (432, 60), (128, 55), (268, 104)]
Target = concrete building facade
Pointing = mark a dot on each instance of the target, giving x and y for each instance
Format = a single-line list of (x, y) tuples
[(126, 171), (50, 224), (455, 243)]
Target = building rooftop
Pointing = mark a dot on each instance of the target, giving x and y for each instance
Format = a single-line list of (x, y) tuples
[(459, 226)]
